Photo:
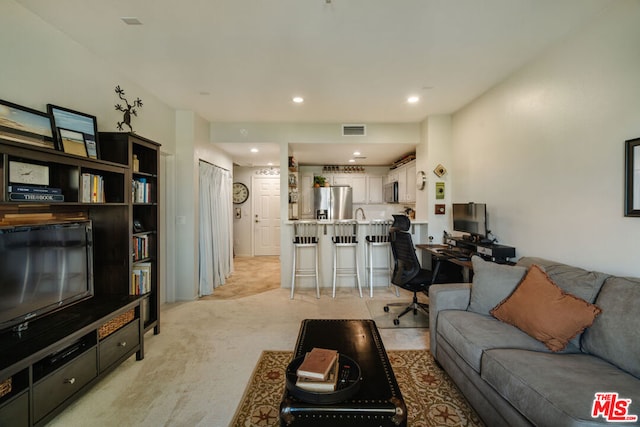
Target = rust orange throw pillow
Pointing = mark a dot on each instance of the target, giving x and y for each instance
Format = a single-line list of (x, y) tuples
[(544, 311)]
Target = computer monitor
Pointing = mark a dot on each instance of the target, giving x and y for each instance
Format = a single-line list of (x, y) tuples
[(470, 218)]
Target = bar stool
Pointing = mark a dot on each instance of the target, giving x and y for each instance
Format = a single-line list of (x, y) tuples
[(345, 235), (378, 237), (305, 235)]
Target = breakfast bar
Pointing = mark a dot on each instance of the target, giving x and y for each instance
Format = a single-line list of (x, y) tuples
[(418, 231)]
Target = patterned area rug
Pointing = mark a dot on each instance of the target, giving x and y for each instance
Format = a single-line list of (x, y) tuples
[(431, 397)]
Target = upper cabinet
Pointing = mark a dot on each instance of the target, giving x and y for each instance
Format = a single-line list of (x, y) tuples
[(405, 175)]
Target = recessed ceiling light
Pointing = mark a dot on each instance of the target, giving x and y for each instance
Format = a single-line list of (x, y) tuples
[(352, 161), (356, 153), (270, 164), (254, 150), (131, 20), (413, 99), (298, 99)]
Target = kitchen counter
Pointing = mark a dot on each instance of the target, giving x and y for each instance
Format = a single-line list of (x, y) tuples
[(419, 233)]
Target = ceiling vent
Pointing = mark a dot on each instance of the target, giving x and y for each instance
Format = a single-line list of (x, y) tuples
[(354, 130)]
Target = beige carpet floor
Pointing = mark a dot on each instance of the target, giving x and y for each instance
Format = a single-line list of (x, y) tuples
[(196, 370), (432, 399)]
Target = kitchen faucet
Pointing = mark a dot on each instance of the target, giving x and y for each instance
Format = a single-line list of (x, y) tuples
[(364, 217)]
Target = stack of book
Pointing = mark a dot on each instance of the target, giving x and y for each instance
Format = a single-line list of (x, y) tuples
[(34, 193), (140, 247), (140, 278), (141, 191), (319, 371), (92, 188)]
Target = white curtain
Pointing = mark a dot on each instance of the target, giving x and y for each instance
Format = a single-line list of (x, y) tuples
[(216, 225)]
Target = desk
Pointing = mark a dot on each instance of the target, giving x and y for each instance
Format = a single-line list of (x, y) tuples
[(435, 251)]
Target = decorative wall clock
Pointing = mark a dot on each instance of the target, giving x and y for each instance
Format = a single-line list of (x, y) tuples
[(421, 180), (240, 193)]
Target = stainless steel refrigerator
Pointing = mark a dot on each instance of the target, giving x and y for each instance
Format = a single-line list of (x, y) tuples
[(333, 202)]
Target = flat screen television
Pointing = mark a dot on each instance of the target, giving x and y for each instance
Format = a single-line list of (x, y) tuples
[(470, 218), (43, 268)]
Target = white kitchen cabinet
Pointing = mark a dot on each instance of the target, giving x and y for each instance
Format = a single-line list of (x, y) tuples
[(406, 177), (359, 186), (374, 189)]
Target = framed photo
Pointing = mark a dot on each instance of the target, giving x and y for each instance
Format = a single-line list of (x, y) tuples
[(72, 142), (22, 124), (91, 146), (632, 178), (75, 121)]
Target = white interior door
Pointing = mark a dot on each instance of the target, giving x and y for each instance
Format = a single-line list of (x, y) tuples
[(266, 215)]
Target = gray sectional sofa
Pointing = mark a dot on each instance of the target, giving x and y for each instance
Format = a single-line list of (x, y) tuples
[(512, 379)]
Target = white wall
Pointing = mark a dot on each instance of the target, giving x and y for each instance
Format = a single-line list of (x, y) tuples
[(544, 149), (435, 150), (192, 137), (41, 65)]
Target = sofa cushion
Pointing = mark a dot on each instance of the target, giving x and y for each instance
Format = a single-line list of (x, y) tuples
[(576, 281), (556, 389), (471, 333), (544, 311), (492, 283), (615, 335)]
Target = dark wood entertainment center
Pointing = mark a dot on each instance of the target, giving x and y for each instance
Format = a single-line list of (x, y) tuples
[(61, 355)]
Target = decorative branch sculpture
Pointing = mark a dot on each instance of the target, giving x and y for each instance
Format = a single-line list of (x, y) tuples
[(128, 111)]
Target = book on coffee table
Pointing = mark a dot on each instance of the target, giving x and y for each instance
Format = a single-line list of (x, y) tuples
[(317, 364), (329, 384)]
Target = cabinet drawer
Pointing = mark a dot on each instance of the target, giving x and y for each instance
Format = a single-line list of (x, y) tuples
[(63, 383), (16, 412), (119, 344)]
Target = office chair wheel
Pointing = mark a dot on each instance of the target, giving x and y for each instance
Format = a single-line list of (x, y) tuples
[(396, 322), (386, 309)]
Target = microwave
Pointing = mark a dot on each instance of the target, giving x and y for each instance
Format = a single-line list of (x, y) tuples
[(391, 192)]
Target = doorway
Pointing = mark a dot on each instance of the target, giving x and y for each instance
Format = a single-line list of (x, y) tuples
[(266, 215)]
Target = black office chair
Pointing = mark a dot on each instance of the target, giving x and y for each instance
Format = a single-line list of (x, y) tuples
[(407, 272)]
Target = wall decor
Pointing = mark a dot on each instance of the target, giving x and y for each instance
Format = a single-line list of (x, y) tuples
[(72, 142), (439, 170), (632, 178), (128, 111), (22, 124), (439, 190), (75, 121)]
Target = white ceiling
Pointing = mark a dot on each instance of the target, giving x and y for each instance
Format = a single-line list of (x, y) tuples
[(354, 61)]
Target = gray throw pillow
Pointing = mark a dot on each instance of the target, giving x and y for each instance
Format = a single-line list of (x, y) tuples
[(492, 283)]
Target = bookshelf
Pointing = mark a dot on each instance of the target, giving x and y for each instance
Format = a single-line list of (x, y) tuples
[(141, 156), (100, 190)]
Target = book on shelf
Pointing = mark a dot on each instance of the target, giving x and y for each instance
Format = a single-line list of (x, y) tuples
[(33, 189), (36, 197), (92, 188), (329, 384), (140, 247), (140, 278), (141, 190), (317, 364)]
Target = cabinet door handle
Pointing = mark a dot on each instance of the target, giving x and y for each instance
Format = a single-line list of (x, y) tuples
[(69, 380), (122, 344)]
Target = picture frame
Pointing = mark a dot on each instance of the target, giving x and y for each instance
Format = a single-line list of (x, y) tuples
[(632, 178), (72, 142), (77, 121), (26, 125)]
